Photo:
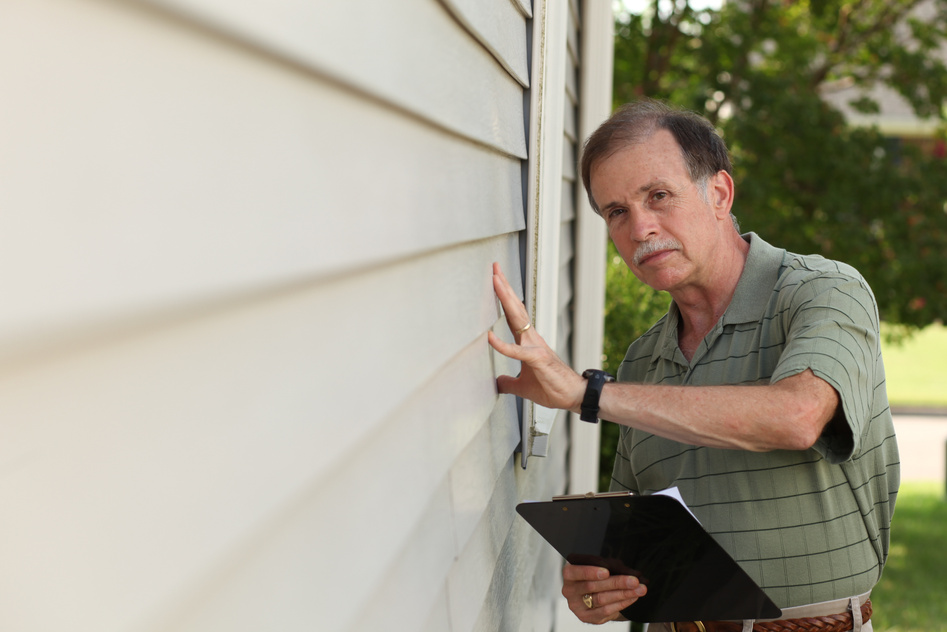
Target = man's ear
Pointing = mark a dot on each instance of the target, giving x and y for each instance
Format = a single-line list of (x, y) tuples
[(721, 193)]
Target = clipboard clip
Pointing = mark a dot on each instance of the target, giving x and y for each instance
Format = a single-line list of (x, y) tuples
[(593, 495)]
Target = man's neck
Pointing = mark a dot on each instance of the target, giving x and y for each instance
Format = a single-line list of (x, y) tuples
[(701, 307)]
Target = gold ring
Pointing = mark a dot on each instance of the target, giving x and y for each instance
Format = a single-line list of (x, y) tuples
[(521, 330), (587, 600)]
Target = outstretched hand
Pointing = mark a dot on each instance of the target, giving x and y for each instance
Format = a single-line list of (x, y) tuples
[(544, 378)]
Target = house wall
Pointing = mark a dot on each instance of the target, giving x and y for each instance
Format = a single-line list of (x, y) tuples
[(245, 251)]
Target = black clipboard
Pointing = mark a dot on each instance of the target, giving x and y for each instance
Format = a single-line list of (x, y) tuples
[(689, 576)]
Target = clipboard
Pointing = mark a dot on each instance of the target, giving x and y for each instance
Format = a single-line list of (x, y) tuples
[(689, 576)]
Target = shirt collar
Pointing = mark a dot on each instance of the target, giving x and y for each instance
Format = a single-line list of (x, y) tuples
[(756, 283)]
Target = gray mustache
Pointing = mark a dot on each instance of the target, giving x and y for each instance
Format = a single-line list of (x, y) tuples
[(648, 248)]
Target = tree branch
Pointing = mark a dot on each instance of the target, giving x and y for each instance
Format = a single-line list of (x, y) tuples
[(848, 40), (663, 39)]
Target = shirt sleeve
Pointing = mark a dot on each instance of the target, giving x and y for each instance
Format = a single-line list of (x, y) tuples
[(832, 322)]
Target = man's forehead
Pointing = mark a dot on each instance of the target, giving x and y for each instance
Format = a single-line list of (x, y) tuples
[(647, 158)]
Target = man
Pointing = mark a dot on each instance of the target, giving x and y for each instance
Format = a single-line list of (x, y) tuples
[(760, 394)]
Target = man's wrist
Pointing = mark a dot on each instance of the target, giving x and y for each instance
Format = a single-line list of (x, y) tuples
[(596, 379)]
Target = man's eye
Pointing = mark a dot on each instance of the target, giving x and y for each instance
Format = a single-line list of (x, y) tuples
[(659, 195), (615, 212)]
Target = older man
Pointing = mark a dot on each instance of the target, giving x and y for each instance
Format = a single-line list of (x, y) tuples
[(760, 394)]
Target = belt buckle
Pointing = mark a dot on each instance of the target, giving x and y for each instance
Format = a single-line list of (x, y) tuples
[(697, 624)]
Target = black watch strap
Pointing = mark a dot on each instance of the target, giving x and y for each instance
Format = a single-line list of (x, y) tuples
[(593, 392)]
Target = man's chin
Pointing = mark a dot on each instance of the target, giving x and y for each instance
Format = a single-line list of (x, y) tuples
[(658, 280)]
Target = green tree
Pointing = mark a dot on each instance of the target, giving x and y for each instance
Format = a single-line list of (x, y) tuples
[(806, 180)]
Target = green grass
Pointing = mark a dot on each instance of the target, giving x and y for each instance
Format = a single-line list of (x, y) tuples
[(916, 369), (912, 593)]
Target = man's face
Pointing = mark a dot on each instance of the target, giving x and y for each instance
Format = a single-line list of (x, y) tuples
[(663, 226)]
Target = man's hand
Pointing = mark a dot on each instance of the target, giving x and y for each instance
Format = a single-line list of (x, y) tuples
[(544, 378), (610, 594)]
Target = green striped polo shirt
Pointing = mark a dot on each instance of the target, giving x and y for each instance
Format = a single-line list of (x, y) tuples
[(808, 526)]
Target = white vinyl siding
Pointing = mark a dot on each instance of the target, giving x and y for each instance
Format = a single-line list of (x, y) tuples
[(245, 256)]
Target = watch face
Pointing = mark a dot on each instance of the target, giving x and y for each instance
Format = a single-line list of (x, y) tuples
[(588, 373)]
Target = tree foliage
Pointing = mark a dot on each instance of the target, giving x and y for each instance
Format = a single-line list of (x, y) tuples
[(806, 180)]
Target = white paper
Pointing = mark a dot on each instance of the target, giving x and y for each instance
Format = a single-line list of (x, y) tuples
[(675, 493)]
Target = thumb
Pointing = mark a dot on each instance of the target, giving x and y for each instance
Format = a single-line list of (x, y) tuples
[(506, 384)]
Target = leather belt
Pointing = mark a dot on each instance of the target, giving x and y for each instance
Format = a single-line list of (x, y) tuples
[(831, 623)]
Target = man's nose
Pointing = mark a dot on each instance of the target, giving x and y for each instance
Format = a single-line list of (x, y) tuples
[(643, 225)]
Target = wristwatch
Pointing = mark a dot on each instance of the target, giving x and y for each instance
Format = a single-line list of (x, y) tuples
[(597, 379)]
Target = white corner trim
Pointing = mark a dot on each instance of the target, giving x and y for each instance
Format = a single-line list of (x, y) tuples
[(595, 105), (544, 187)]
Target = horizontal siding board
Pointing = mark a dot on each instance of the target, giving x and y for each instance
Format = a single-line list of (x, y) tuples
[(572, 80), (524, 551), (564, 347), (543, 594), (572, 44), (525, 7), (286, 586), (572, 67), (500, 27), (569, 160), (544, 591), (566, 283), (410, 53), (574, 56), (566, 252), (399, 599), (469, 579), (474, 474), (506, 606), (568, 200), (438, 620), (148, 229), (567, 355), (564, 340), (173, 419), (503, 548), (464, 308), (406, 489), (565, 286), (569, 123), (546, 582)]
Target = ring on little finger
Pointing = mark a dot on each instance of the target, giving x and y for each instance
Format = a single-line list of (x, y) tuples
[(587, 600)]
